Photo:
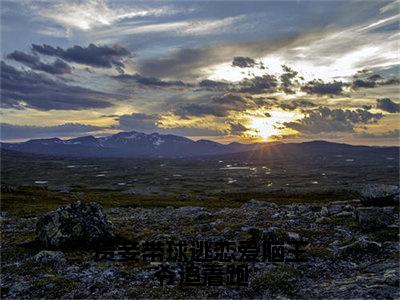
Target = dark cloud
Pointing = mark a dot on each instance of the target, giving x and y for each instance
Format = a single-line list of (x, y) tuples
[(215, 85), (297, 104), (391, 134), (33, 62), (13, 132), (149, 123), (325, 119), (372, 81), (259, 84), (243, 62), (321, 88), (237, 128), (388, 105), (92, 55), (27, 88), (288, 80), (184, 63), (150, 81), (218, 105), (139, 121)]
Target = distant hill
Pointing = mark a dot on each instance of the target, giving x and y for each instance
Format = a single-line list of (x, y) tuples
[(135, 144)]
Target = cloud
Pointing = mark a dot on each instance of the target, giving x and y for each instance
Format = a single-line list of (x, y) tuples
[(149, 123), (33, 62), (88, 15), (388, 105), (217, 105), (372, 81), (92, 55), (215, 85), (20, 89), (149, 81), (321, 88), (14, 132), (243, 62), (259, 84), (237, 128), (139, 121), (391, 134), (288, 81), (325, 119), (297, 104), (194, 63)]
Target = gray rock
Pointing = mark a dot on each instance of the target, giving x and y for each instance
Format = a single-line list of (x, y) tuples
[(74, 224), (256, 204), (334, 209), (360, 247), (5, 188), (253, 231), (293, 236), (274, 234), (324, 211), (380, 195), (391, 277), (344, 214), (375, 217), (49, 257), (191, 210)]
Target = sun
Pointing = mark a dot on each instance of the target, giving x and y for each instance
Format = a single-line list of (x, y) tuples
[(263, 127), (273, 125)]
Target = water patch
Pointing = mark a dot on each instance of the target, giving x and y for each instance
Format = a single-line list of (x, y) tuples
[(235, 168)]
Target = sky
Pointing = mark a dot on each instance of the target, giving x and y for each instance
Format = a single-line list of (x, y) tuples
[(244, 71)]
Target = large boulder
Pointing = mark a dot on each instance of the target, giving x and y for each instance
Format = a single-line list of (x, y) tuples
[(380, 195), (375, 217), (75, 224), (360, 247)]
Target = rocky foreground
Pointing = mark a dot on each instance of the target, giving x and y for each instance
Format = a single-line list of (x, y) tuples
[(352, 251)]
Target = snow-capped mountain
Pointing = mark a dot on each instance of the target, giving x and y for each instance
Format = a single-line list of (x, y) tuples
[(128, 144)]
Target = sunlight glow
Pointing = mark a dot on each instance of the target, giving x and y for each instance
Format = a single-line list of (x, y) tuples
[(264, 127), (267, 127)]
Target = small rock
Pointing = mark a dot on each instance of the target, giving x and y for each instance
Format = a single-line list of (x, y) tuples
[(274, 234), (391, 277), (324, 211), (344, 214), (334, 209), (292, 236), (49, 257), (253, 231), (5, 188), (256, 204)]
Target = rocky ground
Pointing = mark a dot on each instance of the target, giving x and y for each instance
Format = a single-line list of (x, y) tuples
[(352, 252)]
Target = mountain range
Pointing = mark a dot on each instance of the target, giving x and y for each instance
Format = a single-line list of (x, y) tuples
[(128, 144), (136, 144)]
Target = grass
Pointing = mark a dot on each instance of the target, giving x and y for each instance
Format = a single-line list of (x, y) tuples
[(319, 252), (385, 235), (31, 201), (281, 280)]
